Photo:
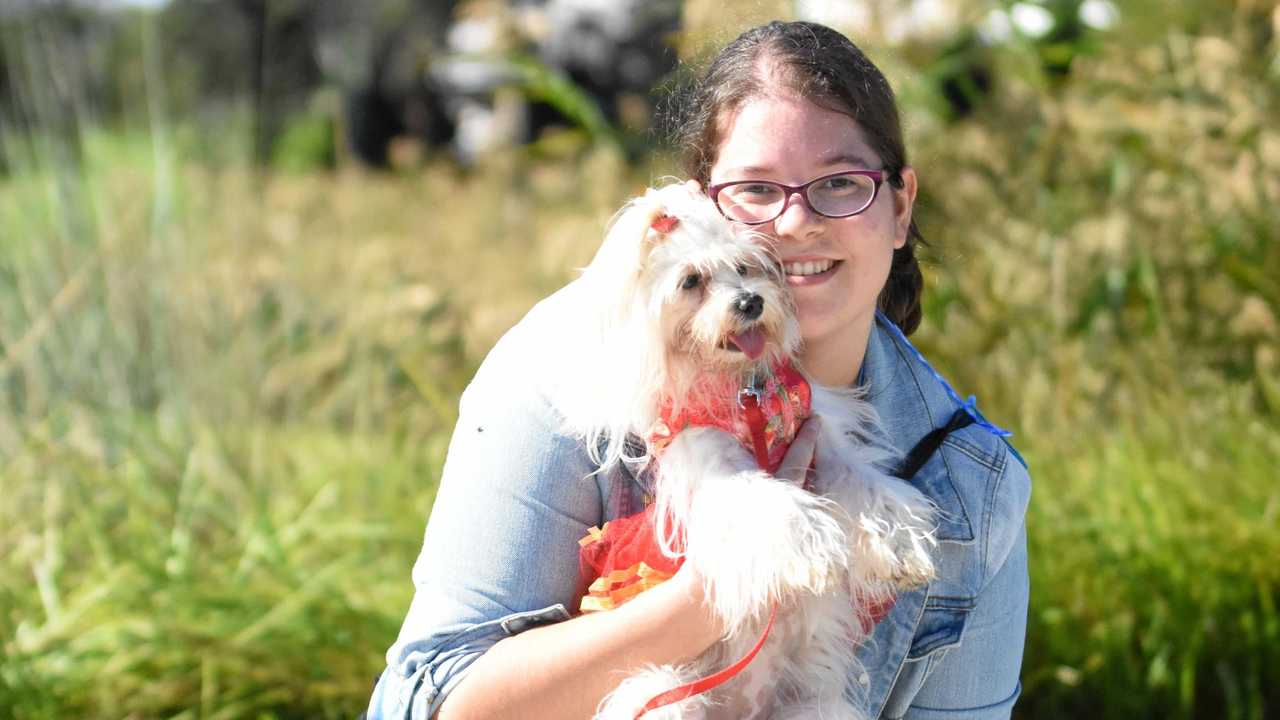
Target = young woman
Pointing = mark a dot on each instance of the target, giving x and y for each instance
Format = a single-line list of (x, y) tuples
[(490, 632)]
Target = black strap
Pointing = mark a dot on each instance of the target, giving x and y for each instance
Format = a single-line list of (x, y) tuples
[(928, 444)]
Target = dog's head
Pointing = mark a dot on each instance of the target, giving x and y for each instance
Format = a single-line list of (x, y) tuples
[(684, 280)]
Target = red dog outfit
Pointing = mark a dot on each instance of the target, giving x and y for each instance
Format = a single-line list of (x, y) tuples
[(622, 559)]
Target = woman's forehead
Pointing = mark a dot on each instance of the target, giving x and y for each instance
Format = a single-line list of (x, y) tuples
[(782, 134)]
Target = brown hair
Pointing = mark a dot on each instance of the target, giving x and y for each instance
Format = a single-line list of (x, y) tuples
[(822, 65)]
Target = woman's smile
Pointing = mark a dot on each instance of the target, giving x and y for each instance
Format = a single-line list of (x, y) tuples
[(806, 273)]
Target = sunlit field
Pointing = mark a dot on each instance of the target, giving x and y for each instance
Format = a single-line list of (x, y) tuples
[(226, 390)]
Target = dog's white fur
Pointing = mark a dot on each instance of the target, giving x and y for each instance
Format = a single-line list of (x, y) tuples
[(756, 541)]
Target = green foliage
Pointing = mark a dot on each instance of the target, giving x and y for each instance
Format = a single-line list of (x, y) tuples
[(1105, 247), (543, 84), (306, 144), (1152, 581)]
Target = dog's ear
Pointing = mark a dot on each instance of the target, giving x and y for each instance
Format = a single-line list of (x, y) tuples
[(664, 223), (635, 231), (661, 222)]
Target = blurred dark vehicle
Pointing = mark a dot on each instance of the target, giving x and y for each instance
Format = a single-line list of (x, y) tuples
[(463, 76), (458, 75)]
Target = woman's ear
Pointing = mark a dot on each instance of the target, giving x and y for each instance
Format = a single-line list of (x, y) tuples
[(904, 201)]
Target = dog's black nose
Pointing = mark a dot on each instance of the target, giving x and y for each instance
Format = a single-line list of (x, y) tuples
[(749, 305)]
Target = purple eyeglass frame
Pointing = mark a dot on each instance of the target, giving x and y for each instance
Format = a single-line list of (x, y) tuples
[(877, 176)]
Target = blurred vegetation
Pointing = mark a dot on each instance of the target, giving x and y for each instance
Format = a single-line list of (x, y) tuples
[(226, 392)]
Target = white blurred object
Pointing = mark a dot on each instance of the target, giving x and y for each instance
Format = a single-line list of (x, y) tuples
[(995, 28), (1031, 20), (1099, 14), (896, 20)]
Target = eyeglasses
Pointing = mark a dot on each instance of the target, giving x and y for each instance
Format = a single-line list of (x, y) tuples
[(839, 195)]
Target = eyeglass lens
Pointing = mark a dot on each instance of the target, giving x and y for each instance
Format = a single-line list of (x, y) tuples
[(836, 196)]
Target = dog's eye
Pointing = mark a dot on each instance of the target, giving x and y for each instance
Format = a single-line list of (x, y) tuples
[(690, 281), (743, 270)]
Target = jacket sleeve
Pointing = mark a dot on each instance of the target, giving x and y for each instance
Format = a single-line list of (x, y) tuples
[(979, 678), (500, 553)]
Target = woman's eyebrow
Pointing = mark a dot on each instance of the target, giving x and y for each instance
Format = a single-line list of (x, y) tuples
[(840, 157), (746, 171), (845, 158)]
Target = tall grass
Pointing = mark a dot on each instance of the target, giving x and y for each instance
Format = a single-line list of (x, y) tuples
[(226, 394), (222, 424)]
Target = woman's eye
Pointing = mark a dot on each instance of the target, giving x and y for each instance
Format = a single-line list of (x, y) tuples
[(843, 185), (690, 281), (754, 191)]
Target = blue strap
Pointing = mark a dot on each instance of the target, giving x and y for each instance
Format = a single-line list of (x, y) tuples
[(970, 406)]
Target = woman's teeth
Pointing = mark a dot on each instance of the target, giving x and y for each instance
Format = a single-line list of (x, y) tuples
[(812, 267)]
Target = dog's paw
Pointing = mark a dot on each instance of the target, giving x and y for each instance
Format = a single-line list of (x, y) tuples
[(892, 538), (763, 544)]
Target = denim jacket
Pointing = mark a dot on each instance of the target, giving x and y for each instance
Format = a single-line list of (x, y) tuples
[(500, 553)]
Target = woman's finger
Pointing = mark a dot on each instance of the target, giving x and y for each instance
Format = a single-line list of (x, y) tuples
[(799, 458)]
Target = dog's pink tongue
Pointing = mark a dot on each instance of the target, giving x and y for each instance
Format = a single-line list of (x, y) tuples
[(751, 343)]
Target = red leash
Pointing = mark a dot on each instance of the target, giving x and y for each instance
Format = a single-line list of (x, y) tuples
[(749, 400), (698, 687)]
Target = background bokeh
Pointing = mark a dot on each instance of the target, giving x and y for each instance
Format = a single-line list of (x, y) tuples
[(251, 252)]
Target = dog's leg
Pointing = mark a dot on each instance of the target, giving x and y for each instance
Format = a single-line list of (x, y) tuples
[(822, 662), (892, 531), (756, 541), (890, 523)]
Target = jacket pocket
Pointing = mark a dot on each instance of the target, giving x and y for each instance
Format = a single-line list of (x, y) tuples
[(941, 625)]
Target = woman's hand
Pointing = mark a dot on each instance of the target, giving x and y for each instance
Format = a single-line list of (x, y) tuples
[(798, 462)]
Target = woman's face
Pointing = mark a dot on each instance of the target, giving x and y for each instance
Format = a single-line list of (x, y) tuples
[(835, 267)]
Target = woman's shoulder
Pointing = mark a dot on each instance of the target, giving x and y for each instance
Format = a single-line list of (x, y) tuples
[(979, 483), (530, 361)]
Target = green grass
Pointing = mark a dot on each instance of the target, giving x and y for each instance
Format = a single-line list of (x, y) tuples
[(226, 401), (1153, 573), (212, 572)]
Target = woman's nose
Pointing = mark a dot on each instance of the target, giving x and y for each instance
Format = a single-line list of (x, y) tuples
[(797, 218)]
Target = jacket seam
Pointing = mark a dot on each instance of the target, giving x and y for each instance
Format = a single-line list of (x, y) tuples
[(1002, 460), (950, 602), (924, 401), (897, 673), (988, 461)]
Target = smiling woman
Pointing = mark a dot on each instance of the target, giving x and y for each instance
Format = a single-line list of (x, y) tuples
[(791, 130)]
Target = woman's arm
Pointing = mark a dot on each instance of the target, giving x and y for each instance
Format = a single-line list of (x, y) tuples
[(499, 561), (563, 670)]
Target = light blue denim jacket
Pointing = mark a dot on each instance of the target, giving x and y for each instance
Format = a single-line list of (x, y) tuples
[(500, 554)]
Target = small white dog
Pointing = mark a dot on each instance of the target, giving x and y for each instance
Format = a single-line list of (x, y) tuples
[(690, 310)]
